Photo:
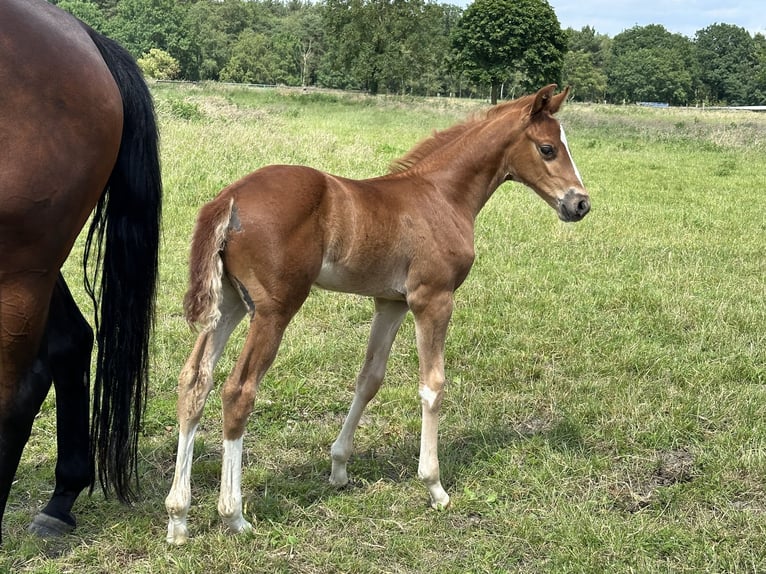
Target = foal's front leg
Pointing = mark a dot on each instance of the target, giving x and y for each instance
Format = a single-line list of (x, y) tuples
[(432, 315), (385, 324)]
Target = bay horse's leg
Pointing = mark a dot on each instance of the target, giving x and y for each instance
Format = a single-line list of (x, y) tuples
[(70, 343), (432, 314), (194, 385), (238, 395), (25, 377), (385, 324), (16, 422)]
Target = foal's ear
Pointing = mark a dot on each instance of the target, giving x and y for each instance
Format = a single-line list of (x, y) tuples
[(545, 100), (558, 100)]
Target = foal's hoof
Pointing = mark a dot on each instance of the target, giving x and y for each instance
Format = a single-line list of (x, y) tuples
[(440, 500), (178, 534), (338, 475), (339, 481), (46, 526)]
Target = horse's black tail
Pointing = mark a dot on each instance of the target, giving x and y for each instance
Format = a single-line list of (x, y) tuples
[(124, 241)]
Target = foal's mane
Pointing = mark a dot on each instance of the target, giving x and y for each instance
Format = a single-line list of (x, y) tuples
[(440, 139)]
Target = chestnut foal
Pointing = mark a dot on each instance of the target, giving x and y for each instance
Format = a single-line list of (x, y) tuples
[(405, 239)]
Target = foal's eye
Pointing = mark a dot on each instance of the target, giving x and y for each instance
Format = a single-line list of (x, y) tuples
[(547, 151)]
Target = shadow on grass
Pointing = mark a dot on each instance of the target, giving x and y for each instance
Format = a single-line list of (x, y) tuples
[(274, 495)]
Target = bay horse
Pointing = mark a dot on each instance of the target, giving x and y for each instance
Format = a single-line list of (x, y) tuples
[(406, 239), (78, 137)]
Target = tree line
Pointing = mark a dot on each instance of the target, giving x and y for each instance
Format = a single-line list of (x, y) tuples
[(492, 48)]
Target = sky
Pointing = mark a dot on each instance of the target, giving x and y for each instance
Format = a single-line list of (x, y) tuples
[(685, 17)]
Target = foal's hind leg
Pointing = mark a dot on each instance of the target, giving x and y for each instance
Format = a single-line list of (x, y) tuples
[(70, 343), (385, 324), (194, 385), (263, 338)]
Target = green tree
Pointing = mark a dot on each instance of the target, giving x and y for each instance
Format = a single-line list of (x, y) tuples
[(518, 40), (591, 42), (383, 45), (253, 60), (449, 73), (158, 64), (585, 64), (651, 64), (414, 46), (587, 80), (213, 30), (759, 78), (432, 47), (727, 57), (140, 25), (209, 43), (87, 11), (301, 35), (342, 25)]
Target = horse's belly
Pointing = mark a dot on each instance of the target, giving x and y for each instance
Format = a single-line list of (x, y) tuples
[(373, 282)]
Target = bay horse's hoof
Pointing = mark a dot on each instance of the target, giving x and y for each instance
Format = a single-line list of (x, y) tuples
[(46, 526)]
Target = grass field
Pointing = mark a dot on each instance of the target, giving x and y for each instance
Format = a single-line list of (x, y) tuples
[(606, 410)]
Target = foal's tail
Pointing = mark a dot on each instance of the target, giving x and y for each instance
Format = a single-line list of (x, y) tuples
[(205, 264), (123, 241)]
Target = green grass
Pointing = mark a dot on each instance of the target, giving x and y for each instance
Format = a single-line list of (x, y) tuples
[(607, 399)]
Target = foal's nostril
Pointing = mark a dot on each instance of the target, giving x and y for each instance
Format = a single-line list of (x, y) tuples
[(574, 206)]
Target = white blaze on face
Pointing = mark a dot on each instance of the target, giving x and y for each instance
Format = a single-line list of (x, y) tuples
[(566, 147)]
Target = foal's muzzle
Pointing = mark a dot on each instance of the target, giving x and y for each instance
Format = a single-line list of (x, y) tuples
[(573, 206)]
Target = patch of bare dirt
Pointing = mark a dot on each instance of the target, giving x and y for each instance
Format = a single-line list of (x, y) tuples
[(636, 491)]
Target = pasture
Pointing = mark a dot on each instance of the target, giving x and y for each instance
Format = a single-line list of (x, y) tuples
[(606, 405)]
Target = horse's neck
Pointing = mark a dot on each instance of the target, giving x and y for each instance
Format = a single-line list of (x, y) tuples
[(470, 171)]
